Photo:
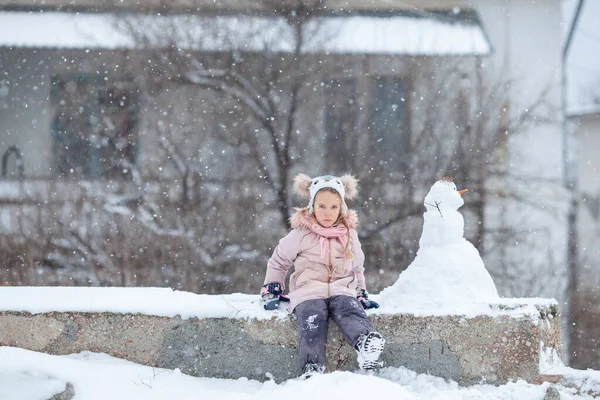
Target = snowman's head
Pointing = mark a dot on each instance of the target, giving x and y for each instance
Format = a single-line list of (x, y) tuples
[(443, 195)]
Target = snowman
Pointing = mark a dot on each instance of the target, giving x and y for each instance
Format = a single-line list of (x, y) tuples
[(447, 268)]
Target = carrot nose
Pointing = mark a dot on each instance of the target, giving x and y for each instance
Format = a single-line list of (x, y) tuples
[(461, 192)]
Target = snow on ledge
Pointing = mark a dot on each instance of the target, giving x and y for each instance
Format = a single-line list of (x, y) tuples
[(170, 303), (584, 110)]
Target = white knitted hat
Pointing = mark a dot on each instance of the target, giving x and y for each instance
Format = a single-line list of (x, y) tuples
[(346, 186)]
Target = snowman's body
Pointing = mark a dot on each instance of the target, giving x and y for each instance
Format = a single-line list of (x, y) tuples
[(447, 267)]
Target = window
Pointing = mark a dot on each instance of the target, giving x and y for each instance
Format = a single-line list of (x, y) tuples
[(389, 122), (94, 127), (340, 124)]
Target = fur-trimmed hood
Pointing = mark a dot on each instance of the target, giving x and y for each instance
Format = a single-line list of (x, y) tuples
[(303, 219)]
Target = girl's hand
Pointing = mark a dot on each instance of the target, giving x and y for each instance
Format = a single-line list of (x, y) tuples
[(270, 290), (363, 297), (271, 294)]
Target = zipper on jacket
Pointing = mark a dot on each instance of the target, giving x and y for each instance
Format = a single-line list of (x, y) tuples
[(329, 269)]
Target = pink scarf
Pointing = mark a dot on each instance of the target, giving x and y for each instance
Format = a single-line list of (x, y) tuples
[(339, 232)]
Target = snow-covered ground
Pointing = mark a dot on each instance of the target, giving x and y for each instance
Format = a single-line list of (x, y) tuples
[(27, 375)]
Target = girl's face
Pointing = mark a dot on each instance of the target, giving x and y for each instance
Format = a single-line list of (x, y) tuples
[(327, 208)]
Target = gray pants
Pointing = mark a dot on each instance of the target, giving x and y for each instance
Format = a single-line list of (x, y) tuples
[(312, 323)]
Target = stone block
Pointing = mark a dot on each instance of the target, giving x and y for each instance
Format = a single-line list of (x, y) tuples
[(507, 345)]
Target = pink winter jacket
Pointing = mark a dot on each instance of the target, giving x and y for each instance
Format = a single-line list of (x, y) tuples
[(313, 276)]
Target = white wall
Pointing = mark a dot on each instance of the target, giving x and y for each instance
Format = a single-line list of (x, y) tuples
[(526, 38)]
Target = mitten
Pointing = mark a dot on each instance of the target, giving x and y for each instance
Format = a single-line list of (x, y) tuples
[(271, 294), (363, 297)]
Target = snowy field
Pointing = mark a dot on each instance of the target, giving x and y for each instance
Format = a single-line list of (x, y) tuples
[(27, 375)]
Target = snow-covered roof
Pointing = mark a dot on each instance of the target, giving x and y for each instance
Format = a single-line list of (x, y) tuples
[(365, 33)]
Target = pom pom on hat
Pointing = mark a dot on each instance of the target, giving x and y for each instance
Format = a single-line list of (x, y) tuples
[(351, 185), (302, 183), (346, 186)]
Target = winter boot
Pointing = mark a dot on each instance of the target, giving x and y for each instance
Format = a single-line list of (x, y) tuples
[(369, 347), (311, 369)]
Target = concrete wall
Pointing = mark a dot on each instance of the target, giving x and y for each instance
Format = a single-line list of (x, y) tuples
[(491, 349)]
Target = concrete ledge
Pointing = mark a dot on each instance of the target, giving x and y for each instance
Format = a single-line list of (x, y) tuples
[(509, 345)]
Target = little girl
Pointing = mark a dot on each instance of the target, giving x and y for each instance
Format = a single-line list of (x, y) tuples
[(328, 278)]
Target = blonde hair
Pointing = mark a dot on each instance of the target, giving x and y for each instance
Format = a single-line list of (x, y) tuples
[(340, 220)]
